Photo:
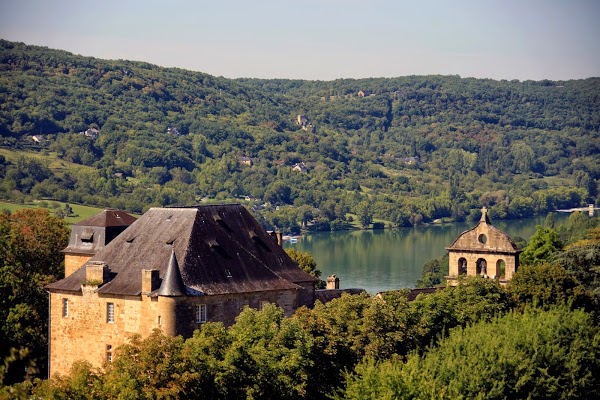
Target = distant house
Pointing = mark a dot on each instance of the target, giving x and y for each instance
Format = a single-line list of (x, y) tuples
[(173, 131), (37, 138), (302, 120), (92, 133), (410, 160), (245, 160), (363, 93), (299, 167)]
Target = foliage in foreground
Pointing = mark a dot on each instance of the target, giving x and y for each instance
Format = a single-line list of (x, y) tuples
[(551, 354), (30, 257)]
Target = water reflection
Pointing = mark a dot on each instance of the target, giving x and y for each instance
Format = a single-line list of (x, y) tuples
[(392, 258)]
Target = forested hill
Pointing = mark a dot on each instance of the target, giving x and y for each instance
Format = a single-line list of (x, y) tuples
[(405, 149)]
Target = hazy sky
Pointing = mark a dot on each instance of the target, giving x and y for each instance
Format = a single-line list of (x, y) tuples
[(323, 39)]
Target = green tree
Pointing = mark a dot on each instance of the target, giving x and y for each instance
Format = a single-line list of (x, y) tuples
[(364, 212), (546, 285), (542, 245), (307, 263), (147, 369), (30, 257), (537, 355), (268, 356)]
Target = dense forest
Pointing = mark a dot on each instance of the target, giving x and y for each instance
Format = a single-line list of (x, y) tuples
[(403, 150)]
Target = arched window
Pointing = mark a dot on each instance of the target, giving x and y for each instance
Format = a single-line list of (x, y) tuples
[(462, 266), (481, 267), (501, 269)]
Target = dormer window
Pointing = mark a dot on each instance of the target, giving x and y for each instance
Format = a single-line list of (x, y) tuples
[(87, 236)]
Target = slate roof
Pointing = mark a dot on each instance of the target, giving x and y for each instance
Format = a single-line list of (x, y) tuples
[(92, 234), (172, 284), (108, 217), (220, 249), (326, 295)]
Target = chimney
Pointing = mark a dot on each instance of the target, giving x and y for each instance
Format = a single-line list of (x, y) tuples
[(279, 237), (333, 282), (150, 280), (276, 234), (97, 274)]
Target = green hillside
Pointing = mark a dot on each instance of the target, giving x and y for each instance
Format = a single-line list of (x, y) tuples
[(405, 150)]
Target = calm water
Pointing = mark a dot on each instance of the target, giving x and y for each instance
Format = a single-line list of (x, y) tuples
[(392, 258)]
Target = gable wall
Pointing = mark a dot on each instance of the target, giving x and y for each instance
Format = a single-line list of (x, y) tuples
[(74, 261)]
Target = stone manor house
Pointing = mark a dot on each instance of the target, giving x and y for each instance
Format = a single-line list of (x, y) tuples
[(172, 269)]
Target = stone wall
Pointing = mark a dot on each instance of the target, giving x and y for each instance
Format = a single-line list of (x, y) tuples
[(85, 332), (225, 308), (74, 261), (492, 259)]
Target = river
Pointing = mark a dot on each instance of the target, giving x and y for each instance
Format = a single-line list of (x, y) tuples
[(378, 260)]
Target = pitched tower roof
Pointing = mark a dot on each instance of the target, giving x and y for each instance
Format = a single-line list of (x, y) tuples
[(484, 237), (172, 284), (108, 217)]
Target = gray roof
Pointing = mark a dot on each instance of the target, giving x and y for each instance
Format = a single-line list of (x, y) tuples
[(221, 249), (92, 234), (108, 217), (172, 284)]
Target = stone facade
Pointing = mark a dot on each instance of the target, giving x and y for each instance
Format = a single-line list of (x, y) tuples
[(483, 251), (74, 261), (85, 333)]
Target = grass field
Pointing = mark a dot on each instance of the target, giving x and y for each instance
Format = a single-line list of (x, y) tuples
[(79, 212), (48, 158)]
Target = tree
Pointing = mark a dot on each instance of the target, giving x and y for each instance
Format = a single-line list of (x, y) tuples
[(542, 245), (268, 356), (364, 212), (582, 260), (307, 263), (147, 368), (538, 355), (434, 272), (30, 258), (545, 285)]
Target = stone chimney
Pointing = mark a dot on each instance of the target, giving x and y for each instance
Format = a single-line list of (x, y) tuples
[(277, 235), (97, 274), (150, 280), (333, 282)]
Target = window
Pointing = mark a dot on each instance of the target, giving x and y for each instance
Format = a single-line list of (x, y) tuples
[(109, 353), (110, 312), (201, 313), (65, 307)]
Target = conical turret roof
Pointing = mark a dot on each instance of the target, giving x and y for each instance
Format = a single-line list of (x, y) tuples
[(172, 284)]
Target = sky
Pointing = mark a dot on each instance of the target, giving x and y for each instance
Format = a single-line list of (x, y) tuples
[(323, 39)]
